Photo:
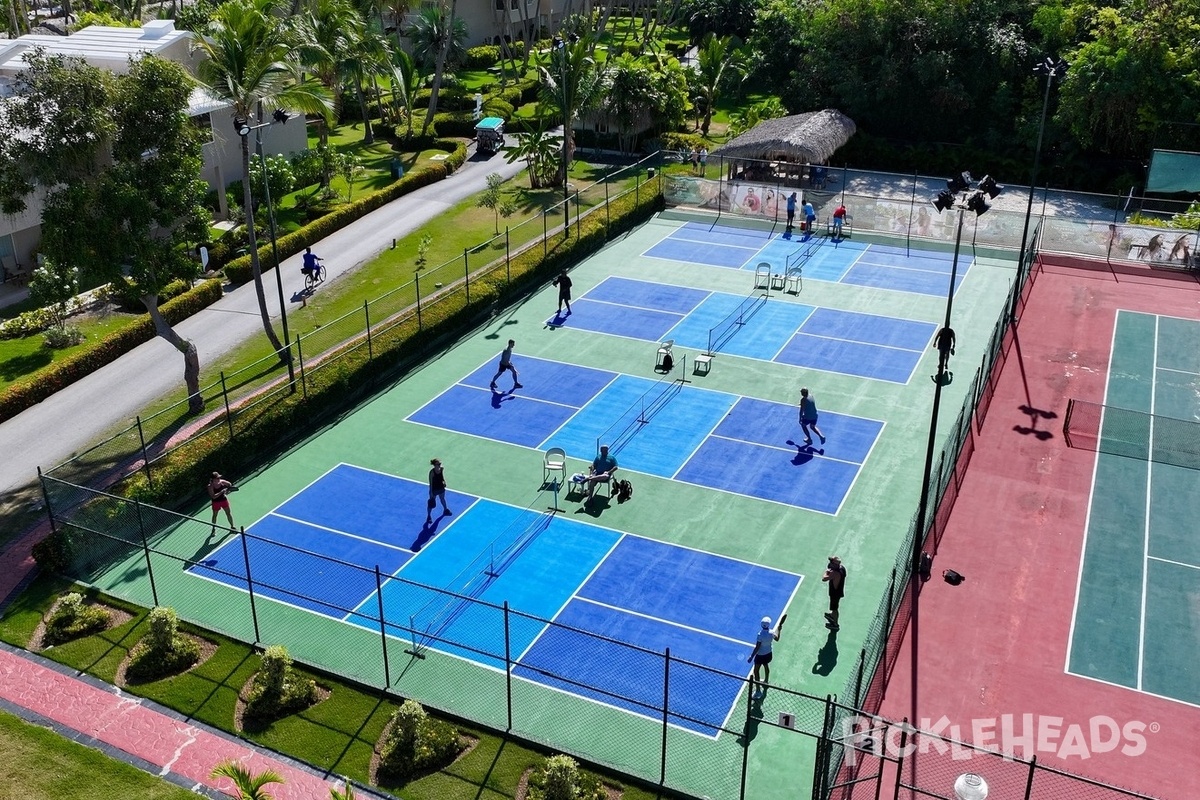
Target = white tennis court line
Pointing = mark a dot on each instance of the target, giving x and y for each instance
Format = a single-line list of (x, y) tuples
[(776, 447), (856, 341), (1087, 521), (1175, 563), (336, 532), (1146, 526)]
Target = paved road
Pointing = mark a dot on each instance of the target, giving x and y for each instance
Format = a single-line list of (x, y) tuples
[(75, 418)]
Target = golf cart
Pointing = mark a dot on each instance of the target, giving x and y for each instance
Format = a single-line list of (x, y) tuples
[(489, 134)]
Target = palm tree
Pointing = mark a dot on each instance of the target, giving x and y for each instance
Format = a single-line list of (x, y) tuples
[(250, 63), (540, 152), (332, 33), (248, 786), (572, 84), (372, 58), (442, 38), (406, 82), (718, 61), (344, 794)]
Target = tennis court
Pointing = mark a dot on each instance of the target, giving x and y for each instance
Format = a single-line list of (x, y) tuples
[(605, 589), (1134, 625), (713, 439), (779, 329), (875, 264)]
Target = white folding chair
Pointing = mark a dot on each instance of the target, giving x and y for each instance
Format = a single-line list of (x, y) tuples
[(762, 276), (664, 350), (795, 280), (555, 461)]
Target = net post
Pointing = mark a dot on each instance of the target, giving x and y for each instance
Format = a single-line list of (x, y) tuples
[(554, 509), (415, 650), (491, 570), (387, 674), (1067, 421)]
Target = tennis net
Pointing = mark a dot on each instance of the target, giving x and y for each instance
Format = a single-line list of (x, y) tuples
[(430, 621), (1133, 434)]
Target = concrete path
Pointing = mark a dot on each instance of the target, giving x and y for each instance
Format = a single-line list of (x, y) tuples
[(76, 417)]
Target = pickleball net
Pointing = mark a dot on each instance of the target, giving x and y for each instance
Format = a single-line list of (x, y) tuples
[(1132, 434), (723, 331), (639, 414), (431, 621)]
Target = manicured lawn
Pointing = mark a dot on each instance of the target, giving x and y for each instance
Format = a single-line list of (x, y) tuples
[(21, 357), (338, 734), (38, 763)]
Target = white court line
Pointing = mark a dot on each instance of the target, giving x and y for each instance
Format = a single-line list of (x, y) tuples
[(855, 341), (1087, 520), (1146, 527), (783, 449), (962, 270), (335, 531), (679, 625), (1178, 371), (1176, 563), (1131, 689)]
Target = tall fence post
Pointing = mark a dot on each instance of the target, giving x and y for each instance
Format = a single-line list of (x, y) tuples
[(137, 507), (300, 358), (367, 319), (904, 729), (746, 743), (467, 275), (46, 499), (824, 748), (417, 281), (1029, 780), (637, 187), (862, 665), (250, 583), (145, 454), (545, 233), (507, 256), (607, 212), (507, 666), (387, 673), (228, 411), (577, 206), (662, 777)]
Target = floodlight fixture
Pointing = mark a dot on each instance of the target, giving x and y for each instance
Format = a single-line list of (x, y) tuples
[(241, 125), (959, 183), (977, 204), (988, 184), (944, 200), (281, 116)]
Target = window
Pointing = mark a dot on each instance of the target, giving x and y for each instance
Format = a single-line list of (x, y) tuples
[(203, 123)]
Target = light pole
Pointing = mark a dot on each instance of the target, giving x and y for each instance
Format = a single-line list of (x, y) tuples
[(244, 128), (1052, 68), (954, 196)]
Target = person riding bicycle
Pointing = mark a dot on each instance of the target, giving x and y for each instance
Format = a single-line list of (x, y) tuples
[(312, 264)]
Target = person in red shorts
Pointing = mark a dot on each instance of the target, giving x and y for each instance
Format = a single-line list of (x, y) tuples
[(218, 488)]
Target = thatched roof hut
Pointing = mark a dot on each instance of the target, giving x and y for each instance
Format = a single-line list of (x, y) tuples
[(810, 138)]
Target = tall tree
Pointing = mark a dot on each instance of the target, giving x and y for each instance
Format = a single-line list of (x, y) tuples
[(406, 82), (719, 64), (251, 63), (332, 33), (123, 199), (438, 36), (572, 83)]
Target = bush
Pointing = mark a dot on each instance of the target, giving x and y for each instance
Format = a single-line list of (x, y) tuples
[(416, 743), (672, 140), (163, 650), (55, 552), (128, 297), (559, 778), (482, 57), (62, 338), (36, 387), (277, 689), (27, 323), (72, 619), (238, 270)]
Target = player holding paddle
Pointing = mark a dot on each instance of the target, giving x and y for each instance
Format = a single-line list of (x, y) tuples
[(761, 656)]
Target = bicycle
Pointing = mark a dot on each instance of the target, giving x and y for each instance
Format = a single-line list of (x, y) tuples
[(314, 277)]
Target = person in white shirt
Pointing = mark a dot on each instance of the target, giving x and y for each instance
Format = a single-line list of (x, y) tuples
[(761, 656)]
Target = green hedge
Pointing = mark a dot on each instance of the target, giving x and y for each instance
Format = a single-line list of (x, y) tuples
[(482, 57), (239, 270), (343, 382), (43, 383)]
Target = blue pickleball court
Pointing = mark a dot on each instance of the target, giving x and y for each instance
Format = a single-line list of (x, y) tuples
[(822, 258), (578, 592), (661, 427), (851, 343)]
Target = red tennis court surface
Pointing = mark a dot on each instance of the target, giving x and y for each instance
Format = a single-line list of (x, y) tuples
[(997, 644)]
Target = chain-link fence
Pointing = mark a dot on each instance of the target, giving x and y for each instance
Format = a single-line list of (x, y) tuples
[(432, 294)]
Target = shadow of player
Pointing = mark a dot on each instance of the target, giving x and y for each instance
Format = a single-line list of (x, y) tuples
[(594, 507), (428, 531), (756, 717), (827, 656), (499, 397), (805, 453)]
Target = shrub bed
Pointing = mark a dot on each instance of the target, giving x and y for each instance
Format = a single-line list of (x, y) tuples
[(37, 387), (239, 271), (415, 743), (72, 619), (163, 650), (277, 690), (559, 778)]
